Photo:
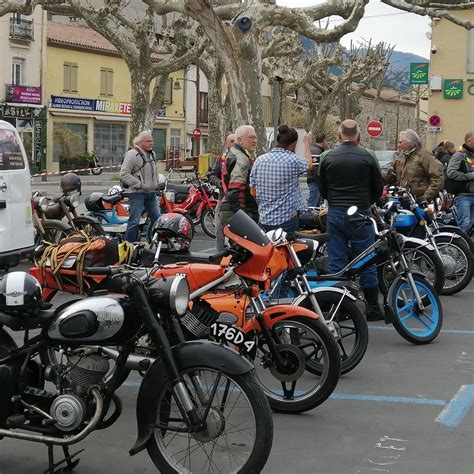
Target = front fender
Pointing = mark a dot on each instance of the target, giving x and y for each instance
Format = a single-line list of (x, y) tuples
[(418, 242), (450, 235), (274, 314), (187, 355), (330, 289)]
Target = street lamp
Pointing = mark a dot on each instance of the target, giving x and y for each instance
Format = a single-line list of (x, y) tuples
[(177, 87)]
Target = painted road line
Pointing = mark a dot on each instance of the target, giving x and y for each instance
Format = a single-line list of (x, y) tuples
[(447, 331), (457, 408)]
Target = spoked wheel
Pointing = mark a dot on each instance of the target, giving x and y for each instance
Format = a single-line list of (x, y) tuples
[(239, 429), (350, 326), (419, 259), (90, 226), (412, 323), (300, 341), (208, 222), (458, 263), (54, 232)]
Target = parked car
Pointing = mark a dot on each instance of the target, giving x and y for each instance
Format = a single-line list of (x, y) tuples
[(384, 157), (16, 223)]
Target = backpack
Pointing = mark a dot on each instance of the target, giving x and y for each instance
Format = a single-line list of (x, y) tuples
[(144, 162), (456, 187)]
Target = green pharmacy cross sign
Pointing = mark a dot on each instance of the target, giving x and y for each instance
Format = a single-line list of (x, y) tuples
[(419, 73), (453, 88)]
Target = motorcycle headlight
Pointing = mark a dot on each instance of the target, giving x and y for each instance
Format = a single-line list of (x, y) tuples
[(170, 294), (74, 200), (43, 203)]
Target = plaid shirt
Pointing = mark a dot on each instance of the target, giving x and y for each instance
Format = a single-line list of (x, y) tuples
[(275, 177)]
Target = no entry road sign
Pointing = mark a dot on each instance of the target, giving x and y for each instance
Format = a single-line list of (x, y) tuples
[(375, 128)]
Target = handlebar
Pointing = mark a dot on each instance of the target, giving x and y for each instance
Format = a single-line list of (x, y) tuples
[(219, 255), (106, 271)]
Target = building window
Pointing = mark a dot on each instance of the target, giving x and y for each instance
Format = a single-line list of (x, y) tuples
[(21, 29), (110, 142), (470, 51), (18, 71), (70, 77), (168, 98), (203, 107), (69, 144), (175, 138), (106, 82)]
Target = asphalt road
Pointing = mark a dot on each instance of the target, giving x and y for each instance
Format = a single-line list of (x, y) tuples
[(405, 409)]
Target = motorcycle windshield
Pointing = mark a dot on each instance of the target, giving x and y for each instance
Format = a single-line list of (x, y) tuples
[(243, 226)]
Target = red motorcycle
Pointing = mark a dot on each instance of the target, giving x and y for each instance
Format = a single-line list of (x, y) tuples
[(195, 197)]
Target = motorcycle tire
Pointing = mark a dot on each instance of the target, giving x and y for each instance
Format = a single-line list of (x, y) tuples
[(88, 225), (415, 326), (458, 263), (452, 229), (96, 171), (237, 451), (296, 332), (419, 259), (54, 232), (350, 325), (208, 222)]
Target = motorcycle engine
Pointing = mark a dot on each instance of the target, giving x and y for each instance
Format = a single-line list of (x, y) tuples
[(85, 371), (196, 322)]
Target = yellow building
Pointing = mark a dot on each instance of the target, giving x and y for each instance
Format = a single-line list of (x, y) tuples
[(452, 80), (88, 93)]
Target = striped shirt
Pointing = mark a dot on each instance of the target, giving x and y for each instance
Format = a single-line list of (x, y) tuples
[(275, 177)]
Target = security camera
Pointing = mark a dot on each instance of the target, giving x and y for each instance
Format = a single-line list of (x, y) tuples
[(243, 23), (434, 49)]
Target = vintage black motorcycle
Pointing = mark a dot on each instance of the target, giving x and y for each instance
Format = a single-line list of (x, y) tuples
[(197, 403)]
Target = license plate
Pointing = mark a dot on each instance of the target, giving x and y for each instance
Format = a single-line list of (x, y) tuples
[(233, 335)]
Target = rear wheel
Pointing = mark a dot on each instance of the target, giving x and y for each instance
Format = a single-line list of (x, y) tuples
[(54, 232), (300, 341), (458, 263), (90, 226), (239, 432), (208, 222)]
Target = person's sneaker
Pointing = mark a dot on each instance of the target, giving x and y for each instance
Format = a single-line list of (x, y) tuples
[(374, 313)]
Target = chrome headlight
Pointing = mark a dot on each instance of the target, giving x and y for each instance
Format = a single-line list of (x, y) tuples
[(74, 200), (43, 203), (170, 294), (179, 295)]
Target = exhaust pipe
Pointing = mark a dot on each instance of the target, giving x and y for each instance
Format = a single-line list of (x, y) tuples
[(134, 361), (37, 438)]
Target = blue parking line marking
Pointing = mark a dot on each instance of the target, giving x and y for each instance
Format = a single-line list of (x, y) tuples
[(447, 331), (384, 398), (457, 408)]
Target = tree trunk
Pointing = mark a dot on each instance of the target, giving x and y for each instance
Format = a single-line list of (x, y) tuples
[(142, 118)]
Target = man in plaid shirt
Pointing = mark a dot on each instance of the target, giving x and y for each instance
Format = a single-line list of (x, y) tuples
[(275, 177)]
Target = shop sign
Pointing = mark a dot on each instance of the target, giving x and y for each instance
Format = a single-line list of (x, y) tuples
[(23, 94), (419, 73), (453, 88), (91, 105), (11, 111)]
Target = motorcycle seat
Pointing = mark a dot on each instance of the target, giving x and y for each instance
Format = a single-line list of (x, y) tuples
[(112, 199), (321, 238), (147, 256), (20, 322), (179, 188)]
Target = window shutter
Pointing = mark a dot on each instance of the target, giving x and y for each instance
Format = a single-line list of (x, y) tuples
[(110, 82), (103, 82), (168, 98), (67, 77), (74, 73)]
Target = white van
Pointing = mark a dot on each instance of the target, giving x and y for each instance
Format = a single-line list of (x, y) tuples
[(16, 224)]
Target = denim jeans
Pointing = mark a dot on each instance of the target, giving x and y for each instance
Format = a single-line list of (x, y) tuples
[(291, 225), (314, 194), (465, 211), (138, 203), (341, 234)]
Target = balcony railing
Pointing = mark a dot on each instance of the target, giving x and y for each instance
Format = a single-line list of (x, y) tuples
[(21, 29)]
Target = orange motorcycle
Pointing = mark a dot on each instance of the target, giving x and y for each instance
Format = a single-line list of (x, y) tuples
[(284, 341)]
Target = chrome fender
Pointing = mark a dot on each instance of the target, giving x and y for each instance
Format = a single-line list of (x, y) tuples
[(330, 289), (418, 242)]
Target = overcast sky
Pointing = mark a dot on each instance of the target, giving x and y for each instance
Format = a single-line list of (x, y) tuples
[(406, 31)]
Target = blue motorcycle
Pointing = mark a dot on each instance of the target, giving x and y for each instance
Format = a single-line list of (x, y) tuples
[(416, 219)]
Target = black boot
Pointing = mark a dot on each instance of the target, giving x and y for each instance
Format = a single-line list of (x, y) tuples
[(374, 312)]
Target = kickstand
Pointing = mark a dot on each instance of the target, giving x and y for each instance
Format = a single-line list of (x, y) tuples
[(68, 459)]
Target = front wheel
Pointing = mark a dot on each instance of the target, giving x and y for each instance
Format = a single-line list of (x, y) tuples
[(239, 432), (413, 324), (458, 263), (208, 222), (300, 341), (54, 232), (96, 171)]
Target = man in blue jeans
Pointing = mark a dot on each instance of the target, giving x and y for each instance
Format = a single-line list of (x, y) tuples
[(139, 178), (350, 176)]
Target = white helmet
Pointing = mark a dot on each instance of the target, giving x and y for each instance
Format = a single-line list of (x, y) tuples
[(161, 178), (114, 190)]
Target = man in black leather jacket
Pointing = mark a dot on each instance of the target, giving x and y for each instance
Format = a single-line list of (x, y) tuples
[(350, 176)]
